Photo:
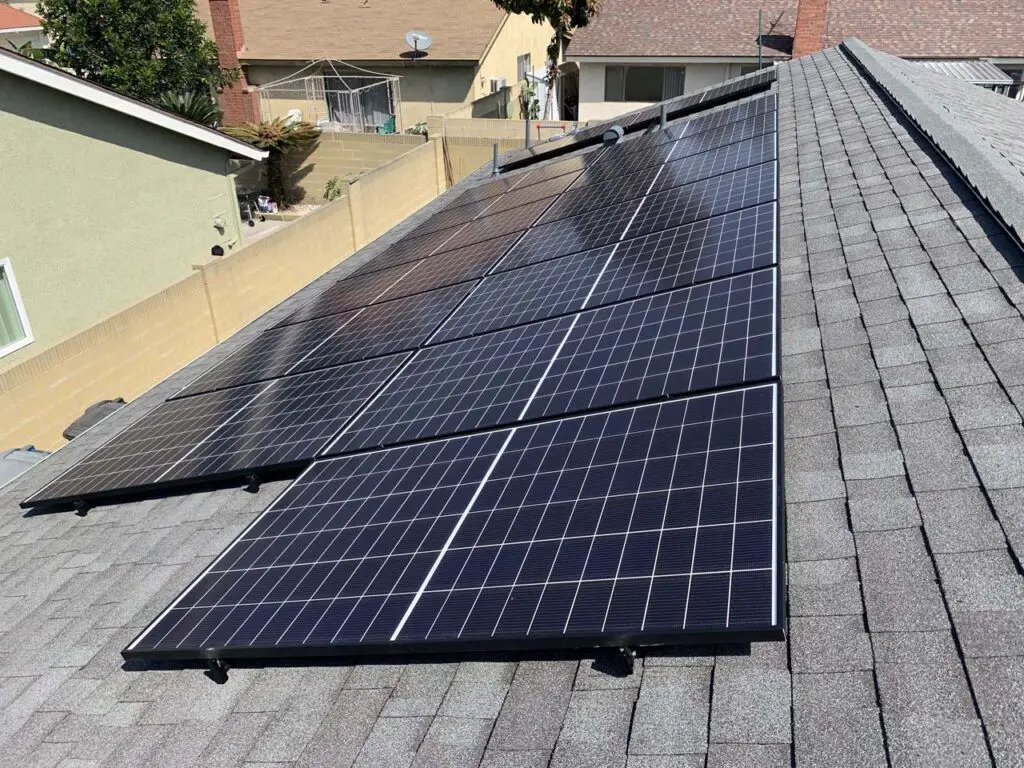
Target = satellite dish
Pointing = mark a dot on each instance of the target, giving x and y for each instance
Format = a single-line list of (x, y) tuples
[(420, 42)]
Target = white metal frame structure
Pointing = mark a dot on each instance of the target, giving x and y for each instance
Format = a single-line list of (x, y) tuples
[(337, 96)]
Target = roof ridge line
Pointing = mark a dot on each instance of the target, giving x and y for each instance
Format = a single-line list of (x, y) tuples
[(977, 162)]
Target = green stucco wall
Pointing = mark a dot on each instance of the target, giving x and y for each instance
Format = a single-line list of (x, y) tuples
[(99, 210)]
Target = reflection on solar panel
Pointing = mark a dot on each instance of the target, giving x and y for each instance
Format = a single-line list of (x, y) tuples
[(723, 245), (488, 227), (355, 335), (404, 280), (644, 524), (714, 335), (230, 432), (673, 207)]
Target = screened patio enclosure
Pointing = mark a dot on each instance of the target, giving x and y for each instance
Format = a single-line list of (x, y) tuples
[(336, 96)]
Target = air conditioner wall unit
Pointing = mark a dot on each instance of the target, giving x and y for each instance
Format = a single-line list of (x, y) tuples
[(497, 83)]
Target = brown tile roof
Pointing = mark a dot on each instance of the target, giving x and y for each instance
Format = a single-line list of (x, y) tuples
[(12, 18), (686, 28), (364, 30), (931, 28)]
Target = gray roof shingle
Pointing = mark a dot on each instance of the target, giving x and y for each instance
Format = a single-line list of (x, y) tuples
[(902, 350)]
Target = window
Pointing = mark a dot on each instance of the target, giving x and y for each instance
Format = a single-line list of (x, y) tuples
[(524, 66), (628, 83), (749, 69), (14, 329), (1017, 89)]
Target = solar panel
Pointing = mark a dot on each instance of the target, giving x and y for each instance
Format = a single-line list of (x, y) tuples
[(225, 433), (703, 199), (664, 175), (483, 381), (708, 249), (489, 227), (350, 293), (739, 113), (554, 169), (411, 247), (673, 207), (355, 335), (524, 295), (713, 335), (381, 329), (640, 525)]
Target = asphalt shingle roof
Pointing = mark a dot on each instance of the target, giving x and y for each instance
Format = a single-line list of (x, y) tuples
[(903, 371)]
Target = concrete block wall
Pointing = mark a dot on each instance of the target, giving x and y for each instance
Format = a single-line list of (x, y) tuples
[(345, 155)]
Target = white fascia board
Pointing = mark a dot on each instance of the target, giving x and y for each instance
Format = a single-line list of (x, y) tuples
[(675, 60), (19, 66)]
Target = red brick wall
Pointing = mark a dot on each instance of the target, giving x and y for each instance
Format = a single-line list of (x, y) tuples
[(810, 27), (239, 103)]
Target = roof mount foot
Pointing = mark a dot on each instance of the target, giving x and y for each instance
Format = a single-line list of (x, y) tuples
[(617, 662), (252, 484), (82, 508), (217, 671)]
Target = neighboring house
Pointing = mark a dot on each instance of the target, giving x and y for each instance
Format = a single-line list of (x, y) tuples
[(474, 44), (899, 324), (18, 27), (104, 201), (639, 51)]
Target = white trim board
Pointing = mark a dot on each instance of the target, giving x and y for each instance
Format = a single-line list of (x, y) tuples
[(50, 77), (8, 269)]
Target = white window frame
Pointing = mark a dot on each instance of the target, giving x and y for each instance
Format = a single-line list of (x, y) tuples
[(8, 269)]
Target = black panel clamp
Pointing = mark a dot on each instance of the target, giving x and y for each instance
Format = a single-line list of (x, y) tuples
[(82, 507), (217, 671), (252, 484)]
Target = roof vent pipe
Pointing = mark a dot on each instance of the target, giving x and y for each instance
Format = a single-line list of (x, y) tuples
[(613, 135)]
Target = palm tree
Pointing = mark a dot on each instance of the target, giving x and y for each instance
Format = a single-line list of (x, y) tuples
[(278, 136), (197, 107)]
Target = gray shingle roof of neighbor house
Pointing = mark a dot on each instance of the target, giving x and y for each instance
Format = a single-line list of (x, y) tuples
[(903, 374)]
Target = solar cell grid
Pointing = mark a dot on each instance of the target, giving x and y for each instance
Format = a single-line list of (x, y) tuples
[(729, 133), (713, 335), (482, 381), (351, 293), (449, 268), (381, 329), (713, 120), (617, 190), (717, 334), (487, 189), (716, 162), (703, 199), (410, 248), (576, 233), (524, 295), (707, 249), (489, 227), (648, 522), (256, 426), (495, 247), (273, 353), (616, 164), (530, 194), (454, 217), (554, 169)]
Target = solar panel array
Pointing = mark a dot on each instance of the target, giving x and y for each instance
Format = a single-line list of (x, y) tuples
[(577, 441)]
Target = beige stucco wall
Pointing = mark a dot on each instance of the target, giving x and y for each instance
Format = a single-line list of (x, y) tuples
[(698, 76), (99, 210), (517, 36)]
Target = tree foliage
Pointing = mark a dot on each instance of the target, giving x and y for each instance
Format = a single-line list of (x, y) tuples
[(279, 137), (141, 48)]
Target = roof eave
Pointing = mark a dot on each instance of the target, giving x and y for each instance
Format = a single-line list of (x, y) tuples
[(50, 77)]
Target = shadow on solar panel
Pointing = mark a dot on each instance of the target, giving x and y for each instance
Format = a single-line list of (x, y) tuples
[(638, 526)]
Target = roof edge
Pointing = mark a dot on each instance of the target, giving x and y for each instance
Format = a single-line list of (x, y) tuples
[(977, 162), (50, 77)]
